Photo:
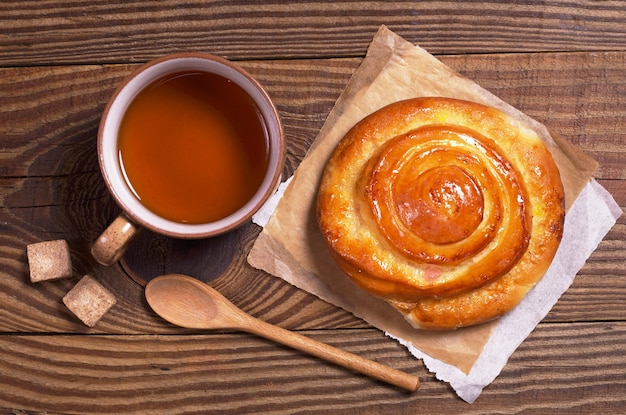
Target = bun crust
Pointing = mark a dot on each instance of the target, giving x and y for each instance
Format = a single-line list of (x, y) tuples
[(450, 210)]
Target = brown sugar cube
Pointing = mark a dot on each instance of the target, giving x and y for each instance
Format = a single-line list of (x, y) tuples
[(49, 260), (89, 300)]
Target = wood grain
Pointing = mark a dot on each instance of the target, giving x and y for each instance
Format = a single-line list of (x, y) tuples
[(93, 32), (241, 374)]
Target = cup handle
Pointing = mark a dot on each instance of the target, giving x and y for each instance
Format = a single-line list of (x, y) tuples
[(112, 243)]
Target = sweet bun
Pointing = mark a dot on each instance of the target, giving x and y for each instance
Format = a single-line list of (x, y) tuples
[(449, 210)]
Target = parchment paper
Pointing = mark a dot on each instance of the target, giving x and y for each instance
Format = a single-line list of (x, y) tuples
[(291, 247)]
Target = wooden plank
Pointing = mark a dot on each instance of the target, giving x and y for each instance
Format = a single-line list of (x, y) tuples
[(79, 32), (238, 374), (578, 95)]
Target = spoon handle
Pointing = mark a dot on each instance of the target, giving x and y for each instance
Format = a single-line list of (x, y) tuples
[(332, 354)]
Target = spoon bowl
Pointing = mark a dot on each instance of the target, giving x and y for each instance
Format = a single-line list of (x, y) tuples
[(187, 302)]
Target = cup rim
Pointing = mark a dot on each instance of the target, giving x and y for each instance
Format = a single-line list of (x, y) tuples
[(123, 96)]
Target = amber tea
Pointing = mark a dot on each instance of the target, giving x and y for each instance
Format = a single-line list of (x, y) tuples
[(193, 147)]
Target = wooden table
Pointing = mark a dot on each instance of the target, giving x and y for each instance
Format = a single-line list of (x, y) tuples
[(563, 63)]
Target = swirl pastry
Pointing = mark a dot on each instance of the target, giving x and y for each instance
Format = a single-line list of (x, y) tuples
[(450, 210)]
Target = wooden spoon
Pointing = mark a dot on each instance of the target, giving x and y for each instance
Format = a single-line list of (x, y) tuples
[(189, 303)]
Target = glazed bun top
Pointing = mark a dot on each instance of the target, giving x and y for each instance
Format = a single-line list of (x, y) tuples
[(448, 209)]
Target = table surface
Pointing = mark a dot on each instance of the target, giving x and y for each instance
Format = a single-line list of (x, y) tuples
[(561, 62)]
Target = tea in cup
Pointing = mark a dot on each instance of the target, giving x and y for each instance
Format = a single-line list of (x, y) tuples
[(190, 146)]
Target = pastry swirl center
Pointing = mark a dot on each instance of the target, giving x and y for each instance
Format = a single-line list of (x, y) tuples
[(441, 205), (442, 194)]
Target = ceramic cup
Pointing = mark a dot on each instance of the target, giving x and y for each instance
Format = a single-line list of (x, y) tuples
[(112, 243)]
